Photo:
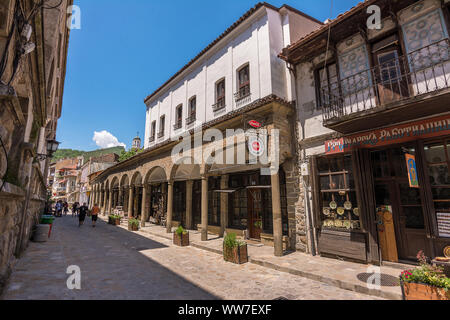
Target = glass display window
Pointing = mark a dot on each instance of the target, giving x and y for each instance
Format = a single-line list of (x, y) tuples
[(338, 202)]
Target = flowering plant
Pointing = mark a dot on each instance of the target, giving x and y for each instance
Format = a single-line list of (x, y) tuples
[(426, 274)]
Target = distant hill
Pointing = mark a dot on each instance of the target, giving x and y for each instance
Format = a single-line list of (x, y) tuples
[(69, 153)]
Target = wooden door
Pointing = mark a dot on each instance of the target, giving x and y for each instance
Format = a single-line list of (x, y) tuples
[(255, 212), (390, 74), (392, 189)]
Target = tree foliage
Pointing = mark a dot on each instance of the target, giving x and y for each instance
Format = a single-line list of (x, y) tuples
[(125, 155), (69, 153)]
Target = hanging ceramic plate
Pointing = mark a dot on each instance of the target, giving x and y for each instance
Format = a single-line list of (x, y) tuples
[(333, 205), (347, 224), (326, 211), (355, 225), (340, 211), (348, 205), (356, 212), (447, 251), (338, 223)]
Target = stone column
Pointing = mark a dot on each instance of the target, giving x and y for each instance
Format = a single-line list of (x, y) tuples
[(136, 201), (111, 193), (130, 202), (144, 206), (169, 206), (189, 220), (204, 208), (276, 213), (223, 205), (105, 201)]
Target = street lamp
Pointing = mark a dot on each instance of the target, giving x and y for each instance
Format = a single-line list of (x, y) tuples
[(52, 146)]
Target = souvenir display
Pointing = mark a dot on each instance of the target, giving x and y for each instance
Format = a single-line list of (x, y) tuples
[(340, 211), (447, 251), (347, 224), (333, 205), (348, 205), (326, 211), (355, 225), (356, 212), (338, 223)]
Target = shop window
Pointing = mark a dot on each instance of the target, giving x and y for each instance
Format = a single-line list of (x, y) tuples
[(196, 203), (437, 156), (213, 202), (179, 201), (339, 209), (238, 213)]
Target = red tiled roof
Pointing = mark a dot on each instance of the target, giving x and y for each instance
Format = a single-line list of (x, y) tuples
[(325, 27), (231, 28)]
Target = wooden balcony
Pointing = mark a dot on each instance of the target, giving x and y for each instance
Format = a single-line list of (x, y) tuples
[(406, 88)]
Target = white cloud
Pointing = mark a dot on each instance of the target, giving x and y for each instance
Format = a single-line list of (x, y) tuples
[(104, 139)]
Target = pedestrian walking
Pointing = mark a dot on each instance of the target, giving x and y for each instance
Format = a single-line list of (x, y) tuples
[(82, 214), (95, 211), (74, 209), (59, 208), (66, 208)]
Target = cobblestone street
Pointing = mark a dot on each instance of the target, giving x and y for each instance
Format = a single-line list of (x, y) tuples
[(117, 264)]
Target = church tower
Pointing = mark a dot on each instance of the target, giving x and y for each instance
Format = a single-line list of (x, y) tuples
[(136, 143)]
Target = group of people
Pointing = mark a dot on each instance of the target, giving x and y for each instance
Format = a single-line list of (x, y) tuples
[(80, 211), (60, 207)]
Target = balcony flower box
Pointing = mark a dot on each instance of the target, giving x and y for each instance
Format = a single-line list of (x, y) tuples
[(234, 251), (181, 237), (425, 282)]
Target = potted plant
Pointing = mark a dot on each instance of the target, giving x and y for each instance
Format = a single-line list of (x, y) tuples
[(181, 237), (234, 251), (111, 219), (116, 219), (133, 225), (425, 282)]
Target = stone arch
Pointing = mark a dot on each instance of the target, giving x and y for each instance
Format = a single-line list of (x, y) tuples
[(114, 182), (156, 175), (136, 179), (124, 180), (185, 170)]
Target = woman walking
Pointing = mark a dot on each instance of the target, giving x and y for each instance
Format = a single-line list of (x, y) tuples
[(95, 211)]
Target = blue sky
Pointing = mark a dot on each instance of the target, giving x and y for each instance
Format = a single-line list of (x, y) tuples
[(127, 49)]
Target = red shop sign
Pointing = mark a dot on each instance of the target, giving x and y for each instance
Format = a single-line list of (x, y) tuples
[(429, 128), (255, 124)]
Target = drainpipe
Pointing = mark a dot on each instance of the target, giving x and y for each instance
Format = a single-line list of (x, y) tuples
[(310, 229)]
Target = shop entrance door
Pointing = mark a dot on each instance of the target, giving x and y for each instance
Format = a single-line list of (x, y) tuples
[(393, 193), (255, 213)]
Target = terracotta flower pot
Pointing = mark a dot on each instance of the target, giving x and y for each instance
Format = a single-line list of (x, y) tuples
[(238, 255), (133, 227), (419, 291), (181, 240), (117, 222)]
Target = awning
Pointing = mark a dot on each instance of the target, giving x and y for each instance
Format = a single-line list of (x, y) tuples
[(227, 191), (259, 187)]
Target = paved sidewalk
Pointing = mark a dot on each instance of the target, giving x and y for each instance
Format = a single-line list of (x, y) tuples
[(118, 264), (342, 274)]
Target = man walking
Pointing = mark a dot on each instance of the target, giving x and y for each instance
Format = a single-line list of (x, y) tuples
[(74, 209), (82, 214), (95, 211)]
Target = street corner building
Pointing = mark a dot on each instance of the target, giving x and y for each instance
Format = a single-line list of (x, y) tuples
[(32, 72), (236, 83), (373, 108)]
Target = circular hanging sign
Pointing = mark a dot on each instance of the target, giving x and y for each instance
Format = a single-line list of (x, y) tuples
[(256, 146), (255, 124)]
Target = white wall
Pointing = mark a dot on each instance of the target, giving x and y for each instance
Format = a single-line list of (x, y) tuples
[(257, 42)]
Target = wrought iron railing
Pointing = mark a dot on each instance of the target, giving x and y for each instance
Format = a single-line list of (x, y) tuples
[(219, 105), (191, 119), (423, 71), (243, 92), (152, 138), (160, 134), (178, 125)]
